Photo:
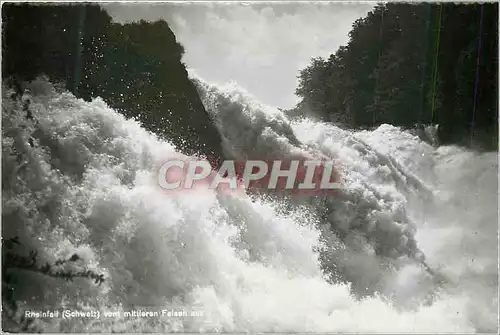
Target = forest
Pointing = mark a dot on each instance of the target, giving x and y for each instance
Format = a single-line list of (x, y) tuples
[(404, 65), (410, 65)]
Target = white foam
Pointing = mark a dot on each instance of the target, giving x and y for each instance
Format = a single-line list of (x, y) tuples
[(87, 187)]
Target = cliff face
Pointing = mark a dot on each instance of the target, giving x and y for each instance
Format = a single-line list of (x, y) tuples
[(136, 68)]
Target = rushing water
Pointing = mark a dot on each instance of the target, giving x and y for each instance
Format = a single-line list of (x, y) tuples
[(409, 244)]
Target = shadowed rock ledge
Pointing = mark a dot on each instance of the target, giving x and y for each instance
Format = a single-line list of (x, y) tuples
[(136, 68)]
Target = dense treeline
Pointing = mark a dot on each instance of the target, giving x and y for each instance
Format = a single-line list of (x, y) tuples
[(136, 68), (410, 64)]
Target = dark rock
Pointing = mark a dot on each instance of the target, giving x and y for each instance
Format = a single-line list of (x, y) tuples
[(136, 68)]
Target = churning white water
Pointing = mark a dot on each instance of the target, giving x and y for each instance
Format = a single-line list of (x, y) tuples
[(410, 244)]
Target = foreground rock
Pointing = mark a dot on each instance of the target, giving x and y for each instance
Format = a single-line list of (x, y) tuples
[(136, 68)]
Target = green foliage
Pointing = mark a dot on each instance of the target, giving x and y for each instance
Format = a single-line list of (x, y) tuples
[(411, 64)]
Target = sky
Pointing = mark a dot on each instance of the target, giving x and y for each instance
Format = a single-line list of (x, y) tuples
[(261, 46)]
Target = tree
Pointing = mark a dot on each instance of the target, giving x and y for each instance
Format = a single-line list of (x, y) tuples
[(410, 64)]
